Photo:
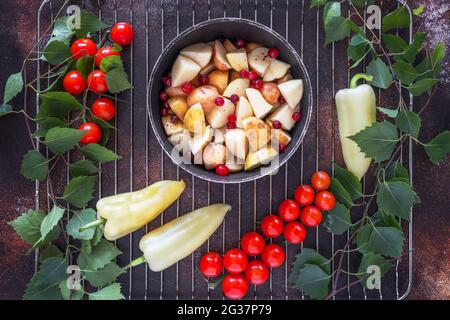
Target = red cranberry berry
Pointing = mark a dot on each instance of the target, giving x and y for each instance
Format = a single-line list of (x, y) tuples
[(187, 88), (167, 80), (282, 147), (234, 98), (222, 170), (173, 118), (164, 111), (281, 99), (252, 75), (240, 43), (231, 125), (232, 118), (257, 84), (243, 74), (296, 116), (273, 52), (163, 96), (219, 101), (276, 124)]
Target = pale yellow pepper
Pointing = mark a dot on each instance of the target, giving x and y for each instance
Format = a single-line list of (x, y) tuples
[(356, 109), (128, 212), (180, 237)]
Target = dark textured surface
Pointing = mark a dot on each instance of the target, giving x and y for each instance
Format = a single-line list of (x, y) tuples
[(431, 218)]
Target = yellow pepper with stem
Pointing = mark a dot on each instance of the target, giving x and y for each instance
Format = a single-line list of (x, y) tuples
[(356, 110), (124, 213), (180, 237)]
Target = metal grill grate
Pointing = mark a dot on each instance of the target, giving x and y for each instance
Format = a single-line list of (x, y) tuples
[(143, 162)]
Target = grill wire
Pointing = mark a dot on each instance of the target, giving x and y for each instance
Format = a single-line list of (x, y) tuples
[(143, 162)]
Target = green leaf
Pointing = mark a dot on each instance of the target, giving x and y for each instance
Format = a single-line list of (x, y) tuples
[(377, 141), (79, 219), (34, 166), (111, 62), (61, 31), (362, 238), (358, 39), (372, 259), (69, 294), (392, 113), (53, 270), (57, 52), (89, 24), (405, 72), (52, 251), (357, 54), (99, 153), (387, 241), (85, 65), (82, 168), (396, 170), (419, 10), (51, 220), (101, 255), (57, 104), (79, 191), (308, 256), (116, 48), (28, 225), (48, 123), (36, 290), (14, 86), (438, 54), (438, 147), (341, 193), (363, 3), (98, 236), (413, 49), (5, 109), (395, 44), (422, 86), (399, 18), (104, 276), (60, 140), (337, 221), (313, 281), (408, 122), (349, 181), (86, 246), (332, 9), (382, 77), (117, 80), (111, 292), (318, 3), (390, 221), (395, 198), (336, 29)]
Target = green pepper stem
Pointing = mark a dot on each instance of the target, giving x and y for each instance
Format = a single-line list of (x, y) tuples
[(93, 224), (135, 262), (357, 77)]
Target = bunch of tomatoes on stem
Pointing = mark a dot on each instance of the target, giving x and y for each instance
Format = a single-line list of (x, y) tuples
[(74, 83), (251, 263)]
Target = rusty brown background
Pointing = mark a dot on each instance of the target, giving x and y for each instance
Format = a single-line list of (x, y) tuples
[(431, 276)]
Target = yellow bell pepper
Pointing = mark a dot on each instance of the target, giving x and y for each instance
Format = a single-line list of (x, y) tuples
[(124, 213), (180, 237), (356, 109)]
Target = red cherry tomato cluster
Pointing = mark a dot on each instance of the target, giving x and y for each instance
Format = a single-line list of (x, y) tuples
[(75, 84), (240, 270)]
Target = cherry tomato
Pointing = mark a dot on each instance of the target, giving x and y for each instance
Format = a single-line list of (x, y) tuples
[(211, 264), (252, 243), (234, 286), (74, 83), (222, 170), (304, 195), (83, 47), (103, 53), (325, 201), (104, 108), (122, 33), (272, 226), (273, 255), (93, 134), (97, 81), (257, 272), (320, 180), (294, 232), (311, 216), (288, 210), (235, 261)]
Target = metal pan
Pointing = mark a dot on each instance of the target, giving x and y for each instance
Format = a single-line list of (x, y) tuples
[(229, 28)]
